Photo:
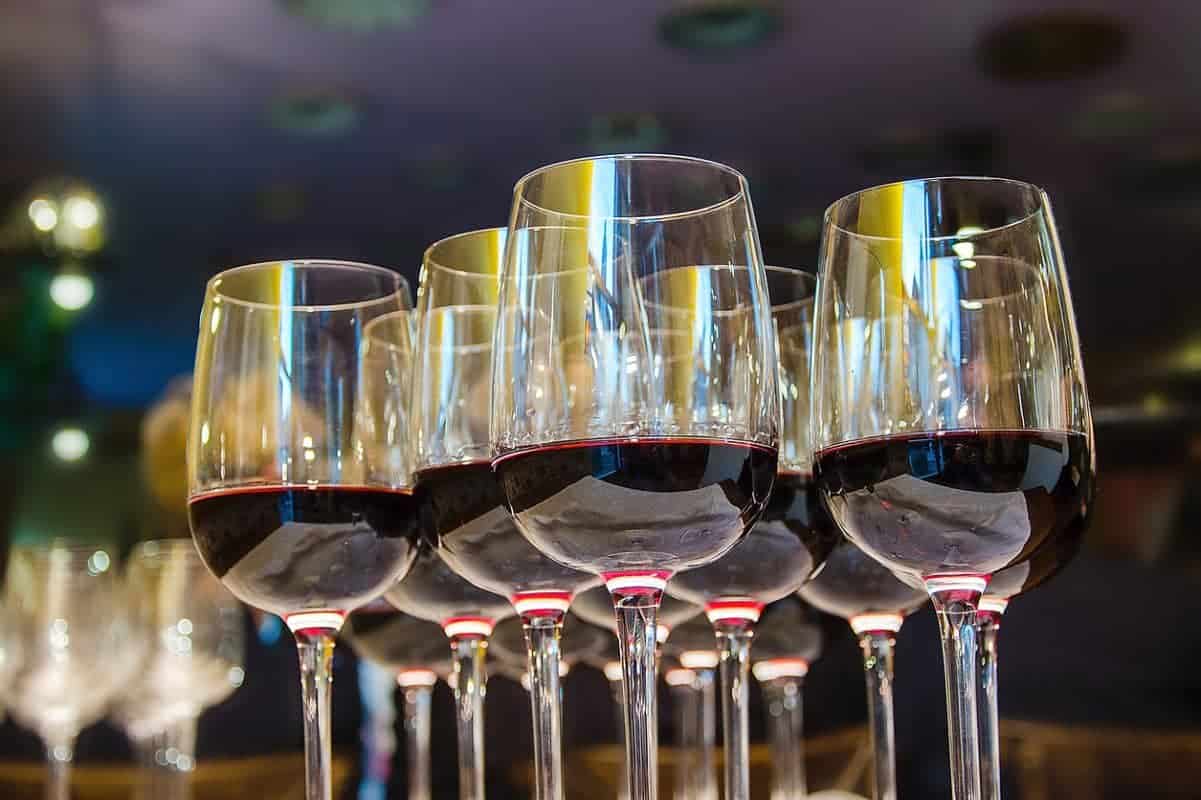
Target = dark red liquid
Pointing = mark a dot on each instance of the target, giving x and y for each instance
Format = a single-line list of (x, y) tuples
[(1041, 565), (958, 502), (465, 515), (794, 535), (651, 504), (286, 549), (397, 641)]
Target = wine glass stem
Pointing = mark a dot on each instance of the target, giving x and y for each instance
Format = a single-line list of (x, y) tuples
[(785, 718), (417, 739), (706, 770), (877, 671), (315, 647), (956, 609), (181, 737), (617, 687), (542, 632), (687, 700), (990, 734), (470, 682), (734, 650), (60, 752), (636, 612)]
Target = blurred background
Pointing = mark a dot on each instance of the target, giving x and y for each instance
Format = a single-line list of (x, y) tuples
[(146, 144)]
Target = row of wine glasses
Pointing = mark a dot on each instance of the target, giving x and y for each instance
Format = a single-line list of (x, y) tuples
[(615, 390), (150, 648)]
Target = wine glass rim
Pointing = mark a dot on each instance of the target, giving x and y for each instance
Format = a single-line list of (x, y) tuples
[(519, 186), (456, 309), (428, 260), (375, 322), (983, 231), (805, 275), (400, 285)]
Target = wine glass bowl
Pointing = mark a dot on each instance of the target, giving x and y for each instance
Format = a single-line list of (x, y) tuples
[(861, 590), (194, 628)]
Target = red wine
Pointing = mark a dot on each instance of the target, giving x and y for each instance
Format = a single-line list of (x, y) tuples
[(793, 536), (397, 641), (433, 591), (854, 586), (958, 502), (627, 506), (288, 549), (465, 514), (1042, 565)]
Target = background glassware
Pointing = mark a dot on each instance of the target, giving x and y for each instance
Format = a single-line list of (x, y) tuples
[(694, 646), (610, 448), (950, 416), (415, 651), (299, 494), (787, 640), (194, 657), (470, 521), (68, 617), (867, 595), (579, 643), (467, 614), (793, 536), (1003, 586)]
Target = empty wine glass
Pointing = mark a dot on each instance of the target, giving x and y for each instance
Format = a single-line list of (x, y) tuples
[(787, 640), (1005, 585), (299, 498), (735, 588), (470, 522), (69, 619), (415, 651), (950, 417), (633, 443), (194, 659), (467, 614), (867, 595)]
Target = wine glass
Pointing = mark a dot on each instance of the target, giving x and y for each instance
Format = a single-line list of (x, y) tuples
[(432, 591), (787, 640), (415, 651), (470, 522), (874, 602), (298, 501), (735, 588), (950, 417), (694, 646), (69, 619), (633, 443), (194, 659), (1043, 564)]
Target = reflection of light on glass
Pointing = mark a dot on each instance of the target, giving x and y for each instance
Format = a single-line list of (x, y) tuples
[(215, 319), (204, 432), (42, 214), (966, 249), (184, 626), (71, 292), (70, 444), (310, 455), (59, 639), (967, 263), (307, 442), (81, 211), (971, 305), (945, 393), (98, 562), (236, 675)]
